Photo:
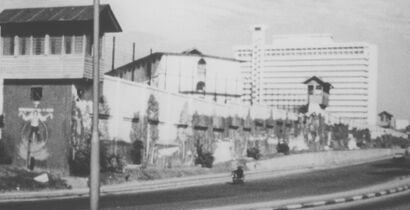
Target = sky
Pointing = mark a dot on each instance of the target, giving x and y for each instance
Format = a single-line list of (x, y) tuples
[(216, 26)]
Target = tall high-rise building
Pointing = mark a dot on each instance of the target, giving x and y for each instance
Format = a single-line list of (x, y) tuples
[(274, 73)]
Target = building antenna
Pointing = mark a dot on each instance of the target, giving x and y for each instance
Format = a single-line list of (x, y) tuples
[(179, 76)]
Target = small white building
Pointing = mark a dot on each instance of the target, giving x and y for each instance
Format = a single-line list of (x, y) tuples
[(401, 124), (190, 72)]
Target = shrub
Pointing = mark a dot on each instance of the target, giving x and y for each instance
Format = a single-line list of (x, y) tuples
[(115, 163), (283, 148), (253, 153), (205, 159), (80, 164), (137, 151), (4, 156)]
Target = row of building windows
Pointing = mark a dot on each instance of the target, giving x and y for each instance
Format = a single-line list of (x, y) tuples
[(303, 53), (317, 53), (299, 76), (36, 45), (308, 48), (317, 48), (244, 50)]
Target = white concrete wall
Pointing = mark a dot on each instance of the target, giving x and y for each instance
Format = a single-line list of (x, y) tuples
[(125, 99)]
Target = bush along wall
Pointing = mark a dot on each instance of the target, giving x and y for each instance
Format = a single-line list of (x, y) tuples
[(388, 141), (197, 137)]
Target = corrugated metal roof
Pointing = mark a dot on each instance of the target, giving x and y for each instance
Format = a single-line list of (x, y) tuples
[(321, 82), (55, 14)]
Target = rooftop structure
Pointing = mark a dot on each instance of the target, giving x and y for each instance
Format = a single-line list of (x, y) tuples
[(51, 42), (190, 72)]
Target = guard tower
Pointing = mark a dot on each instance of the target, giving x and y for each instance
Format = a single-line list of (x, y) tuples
[(317, 93), (385, 119), (46, 67)]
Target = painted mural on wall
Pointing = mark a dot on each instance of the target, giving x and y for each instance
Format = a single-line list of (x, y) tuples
[(152, 115), (81, 124), (34, 133), (81, 121)]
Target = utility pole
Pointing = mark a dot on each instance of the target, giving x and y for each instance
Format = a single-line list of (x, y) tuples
[(133, 51), (95, 142), (113, 53)]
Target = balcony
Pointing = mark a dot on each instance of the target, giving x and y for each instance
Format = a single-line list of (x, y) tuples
[(64, 57)]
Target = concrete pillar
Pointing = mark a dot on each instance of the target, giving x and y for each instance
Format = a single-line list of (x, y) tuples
[(84, 44), (63, 44), (30, 52), (47, 44), (16, 45)]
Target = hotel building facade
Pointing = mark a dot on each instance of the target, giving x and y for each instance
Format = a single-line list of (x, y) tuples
[(273, 74)]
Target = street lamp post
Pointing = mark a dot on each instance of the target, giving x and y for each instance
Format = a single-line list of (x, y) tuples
[(95, 143)]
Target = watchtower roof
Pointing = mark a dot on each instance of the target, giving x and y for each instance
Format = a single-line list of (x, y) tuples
[(60, 15)]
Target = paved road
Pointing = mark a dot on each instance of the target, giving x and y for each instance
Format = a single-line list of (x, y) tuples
[(393, 202), (307, 184)]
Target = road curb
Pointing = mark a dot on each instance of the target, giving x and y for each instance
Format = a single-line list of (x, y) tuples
[(344, 199), (173, 183)]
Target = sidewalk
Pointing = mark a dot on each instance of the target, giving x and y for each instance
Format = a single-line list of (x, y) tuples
[(155, 185)]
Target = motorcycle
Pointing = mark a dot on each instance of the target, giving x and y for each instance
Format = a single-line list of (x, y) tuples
[(238, 177)]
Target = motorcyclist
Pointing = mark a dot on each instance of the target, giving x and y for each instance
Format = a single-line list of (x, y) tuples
[(239, 172), (238, 175)]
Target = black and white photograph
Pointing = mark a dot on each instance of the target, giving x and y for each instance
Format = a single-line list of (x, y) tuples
[(204, 104)]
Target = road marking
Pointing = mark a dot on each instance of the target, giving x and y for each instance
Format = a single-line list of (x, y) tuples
[(347, 199), (340, 200), (357, 197)]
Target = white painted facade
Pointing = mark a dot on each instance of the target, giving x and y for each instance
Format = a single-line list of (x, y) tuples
[(351, 68), (192, 73), (181, 74), (128, 100)]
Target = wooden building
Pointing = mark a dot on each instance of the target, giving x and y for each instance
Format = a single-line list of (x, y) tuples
[(45, 73), (318, 91), (385, 119)]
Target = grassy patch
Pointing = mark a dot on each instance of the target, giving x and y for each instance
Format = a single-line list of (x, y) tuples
[(144, 174), (17, 179)]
